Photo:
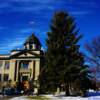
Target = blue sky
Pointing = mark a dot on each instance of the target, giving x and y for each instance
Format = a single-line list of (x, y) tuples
[(19, 18)]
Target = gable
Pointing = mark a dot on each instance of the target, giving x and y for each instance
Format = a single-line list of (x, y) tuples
[(25, 54)]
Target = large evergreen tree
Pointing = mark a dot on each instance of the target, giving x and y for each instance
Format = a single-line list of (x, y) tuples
[(64, 62)]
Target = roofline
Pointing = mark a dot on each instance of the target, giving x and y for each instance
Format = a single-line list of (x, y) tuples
[(4, 54), (26, 50)]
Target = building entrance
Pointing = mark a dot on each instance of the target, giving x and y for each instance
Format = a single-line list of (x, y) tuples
[(24, 78)]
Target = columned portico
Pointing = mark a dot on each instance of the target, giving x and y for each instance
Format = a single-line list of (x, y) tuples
[(25, 70), (25, 67)]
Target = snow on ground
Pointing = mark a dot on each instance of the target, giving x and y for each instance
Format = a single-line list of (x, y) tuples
[(61, 98), (19, 98), (72, 98)]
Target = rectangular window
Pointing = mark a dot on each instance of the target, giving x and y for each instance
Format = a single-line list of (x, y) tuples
[(7, 65), (24, 65), (6, 77), (0, 77), (1, 63)]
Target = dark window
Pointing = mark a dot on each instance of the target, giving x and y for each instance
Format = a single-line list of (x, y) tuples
[(7, 65), (1, 63), (15, 71), (37, 47), (25, 47), (25, 65), (24, 78), (0, 77), (33, 69), (6, 77), (31, 46)]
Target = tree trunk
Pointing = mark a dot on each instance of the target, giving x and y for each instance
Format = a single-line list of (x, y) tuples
[(67, 90), (71, 89)]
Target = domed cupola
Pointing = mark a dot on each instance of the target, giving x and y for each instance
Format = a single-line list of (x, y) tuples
[(32, 43)]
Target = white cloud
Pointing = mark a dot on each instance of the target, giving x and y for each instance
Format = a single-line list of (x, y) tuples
[(31, 9), (32, 1), (32, 22), (26, 30), (4, 5), (1, 27), (80, 12), (9, 44), (25, 5), (40, 5)]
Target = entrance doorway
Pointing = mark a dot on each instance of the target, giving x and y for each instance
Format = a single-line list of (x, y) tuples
[(24, 78)]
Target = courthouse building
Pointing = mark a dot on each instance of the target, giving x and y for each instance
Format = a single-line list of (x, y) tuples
[(22, 64)]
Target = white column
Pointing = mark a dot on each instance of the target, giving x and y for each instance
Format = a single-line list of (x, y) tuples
[(37, 69), (12, 69), (17, 70), (31, 69), (37, 72), (3, 71)]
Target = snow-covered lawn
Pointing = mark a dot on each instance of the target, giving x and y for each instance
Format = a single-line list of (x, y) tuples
[(72, 98), (59, 98), (92, 95), (19, 98)]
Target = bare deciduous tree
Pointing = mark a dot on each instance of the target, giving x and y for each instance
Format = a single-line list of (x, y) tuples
[(93, 55)]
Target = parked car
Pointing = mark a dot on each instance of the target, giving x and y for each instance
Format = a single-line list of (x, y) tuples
[(9, 91), (12, 91)]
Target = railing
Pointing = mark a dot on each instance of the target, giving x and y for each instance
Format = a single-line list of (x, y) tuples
[(25, 70)]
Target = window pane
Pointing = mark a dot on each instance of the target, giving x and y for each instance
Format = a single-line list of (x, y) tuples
[(6, 77), (1, 63), (24, 65), (7, 65), (0, 77), (24, 78), (31, 46)]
